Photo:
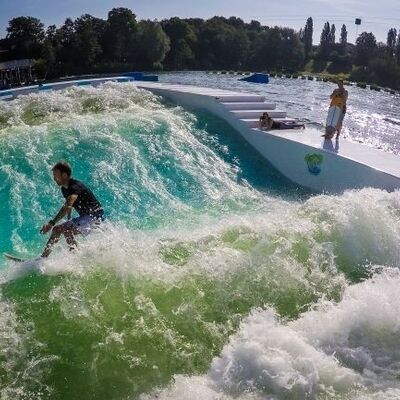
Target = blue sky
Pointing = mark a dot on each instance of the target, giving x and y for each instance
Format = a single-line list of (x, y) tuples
[(378, 15)]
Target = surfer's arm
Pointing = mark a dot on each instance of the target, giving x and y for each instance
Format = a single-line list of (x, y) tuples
[(64, 210)]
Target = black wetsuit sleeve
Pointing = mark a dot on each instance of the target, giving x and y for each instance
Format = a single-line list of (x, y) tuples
[(75, 188), (86, 203)]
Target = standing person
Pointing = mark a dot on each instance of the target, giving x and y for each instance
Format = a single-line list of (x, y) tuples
[(339, 99), (79, 197)]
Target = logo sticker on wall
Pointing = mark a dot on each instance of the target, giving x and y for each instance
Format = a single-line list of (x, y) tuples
[(314, 162)]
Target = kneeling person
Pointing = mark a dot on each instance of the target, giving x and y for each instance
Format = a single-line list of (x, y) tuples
[(79, 197)]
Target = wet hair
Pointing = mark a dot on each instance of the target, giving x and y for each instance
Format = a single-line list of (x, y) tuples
[(63, 167), (340, 81)]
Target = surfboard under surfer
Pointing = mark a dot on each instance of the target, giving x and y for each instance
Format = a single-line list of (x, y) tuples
[(338, 99), (79, 197)]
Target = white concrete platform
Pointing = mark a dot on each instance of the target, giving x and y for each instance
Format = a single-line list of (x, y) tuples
[(377, 159), (255, 122), (255, 105), (255, 114), (302, 155)]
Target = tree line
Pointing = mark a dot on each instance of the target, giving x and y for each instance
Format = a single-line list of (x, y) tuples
[(121, 42)]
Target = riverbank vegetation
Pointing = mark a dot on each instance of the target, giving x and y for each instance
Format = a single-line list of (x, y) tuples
[(121, 43)]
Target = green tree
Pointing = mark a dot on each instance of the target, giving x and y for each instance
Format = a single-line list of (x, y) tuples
[(325, 42), (183, 37), (384, 72), (120, 35), (292, 54), (238, 43), (381, 52), (259, 58), (153, 45), (277, 49), (343, 39), (365, 48), (391, 41), (67, 38), (50, 45), (221, 45), (332, 36), (307, 37), (236, 22), (254, 26), (340, 63), (88, 32), (397, 52), (25, 36), (51, 50)]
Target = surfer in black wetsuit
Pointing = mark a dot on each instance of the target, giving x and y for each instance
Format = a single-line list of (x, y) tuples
[(79, 197)]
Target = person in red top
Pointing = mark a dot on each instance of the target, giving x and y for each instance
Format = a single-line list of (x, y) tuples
[(79, 197)]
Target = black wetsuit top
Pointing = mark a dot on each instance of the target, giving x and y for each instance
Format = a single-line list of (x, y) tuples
[(86, 203)]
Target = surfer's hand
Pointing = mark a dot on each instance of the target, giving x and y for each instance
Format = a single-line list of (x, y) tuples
[(46, 228)]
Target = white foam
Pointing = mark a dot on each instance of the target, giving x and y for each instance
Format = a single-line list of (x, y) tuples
[(262, 241), (20, 370), (59, 106), (199, 388), (349, 349), (265, 360), (363, 330), (269, 357)]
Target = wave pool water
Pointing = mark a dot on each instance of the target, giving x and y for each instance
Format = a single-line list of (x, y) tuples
[(213, 276)]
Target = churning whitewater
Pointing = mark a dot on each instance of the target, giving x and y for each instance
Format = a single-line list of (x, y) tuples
[(213, 276)]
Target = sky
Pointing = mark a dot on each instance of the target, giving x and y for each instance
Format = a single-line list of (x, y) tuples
[(378, 16)]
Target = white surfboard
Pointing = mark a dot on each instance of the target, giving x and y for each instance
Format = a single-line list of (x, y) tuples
[(18, 259), (334, 114), (332, 120), (14, 258)]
